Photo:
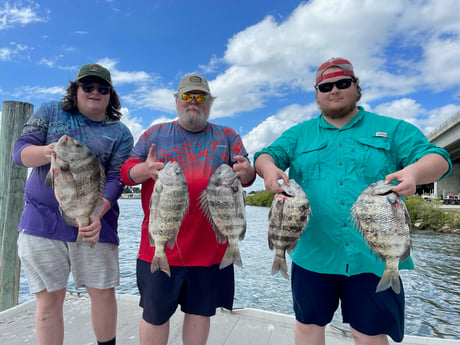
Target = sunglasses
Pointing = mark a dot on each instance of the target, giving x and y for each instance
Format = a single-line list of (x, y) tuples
[(339, 84), (88, 87), (199, 97)]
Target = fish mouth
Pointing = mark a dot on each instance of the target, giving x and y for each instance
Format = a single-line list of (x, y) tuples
[(284, 193)]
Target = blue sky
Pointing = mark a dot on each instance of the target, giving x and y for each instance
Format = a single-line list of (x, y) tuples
[(259, 56)]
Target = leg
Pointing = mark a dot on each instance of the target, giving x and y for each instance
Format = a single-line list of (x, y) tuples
[(152, 334), (309, 334), (363, 339), (103, 313), (49, 318), (372, 315), (195, 329)]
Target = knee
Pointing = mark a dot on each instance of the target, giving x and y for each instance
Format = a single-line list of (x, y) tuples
[(105, 294), (309, 333), (361, 338)]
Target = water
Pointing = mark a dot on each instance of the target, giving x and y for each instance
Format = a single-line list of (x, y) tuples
[(432, 289)]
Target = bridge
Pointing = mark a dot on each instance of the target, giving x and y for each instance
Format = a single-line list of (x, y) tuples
[(447, 136)]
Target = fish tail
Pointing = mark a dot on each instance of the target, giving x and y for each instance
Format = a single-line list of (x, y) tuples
[(160, 263), (231, 257), (280, 265), (390, 278)]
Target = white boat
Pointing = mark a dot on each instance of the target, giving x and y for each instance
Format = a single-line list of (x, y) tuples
[(244, 326)]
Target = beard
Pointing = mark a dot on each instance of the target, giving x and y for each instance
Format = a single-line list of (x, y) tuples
[(338, 113), (193, 118)]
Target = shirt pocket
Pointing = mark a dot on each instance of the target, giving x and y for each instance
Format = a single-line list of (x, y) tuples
[(375, 157), (309, 163)]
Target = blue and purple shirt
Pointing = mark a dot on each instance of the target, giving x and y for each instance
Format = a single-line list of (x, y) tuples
[(110, 140)]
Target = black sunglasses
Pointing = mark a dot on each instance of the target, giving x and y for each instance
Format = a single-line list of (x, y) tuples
[(89, 87), (339, 84)]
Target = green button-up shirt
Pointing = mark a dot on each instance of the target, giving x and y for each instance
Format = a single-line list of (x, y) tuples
[(333, 166)]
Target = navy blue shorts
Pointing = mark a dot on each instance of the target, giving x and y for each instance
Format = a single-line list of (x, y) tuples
[(316, 298), (199, 291)]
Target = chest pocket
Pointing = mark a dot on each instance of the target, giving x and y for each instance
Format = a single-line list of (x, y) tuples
[(309, 162), (374, 162)]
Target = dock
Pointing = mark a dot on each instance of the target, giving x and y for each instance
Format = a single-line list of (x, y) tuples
[(244, 326)]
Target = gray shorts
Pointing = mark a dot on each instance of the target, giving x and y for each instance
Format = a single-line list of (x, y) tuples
[(47, 263)]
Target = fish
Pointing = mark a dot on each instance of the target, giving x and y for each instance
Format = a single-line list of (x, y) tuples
[(78, 180), (383, 220), (169, 204), (288, 216), (223, 204)]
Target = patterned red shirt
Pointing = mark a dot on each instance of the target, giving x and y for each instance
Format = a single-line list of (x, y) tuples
[(199, 154)]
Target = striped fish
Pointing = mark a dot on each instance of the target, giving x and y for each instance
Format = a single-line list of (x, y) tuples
[(287, 218), (168, 205), (223, 203), (384, 222), (78, 179)]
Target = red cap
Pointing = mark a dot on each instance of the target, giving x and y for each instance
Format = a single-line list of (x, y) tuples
[(345, 65)]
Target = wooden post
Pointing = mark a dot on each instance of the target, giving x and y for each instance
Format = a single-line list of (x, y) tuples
[(12, 179)]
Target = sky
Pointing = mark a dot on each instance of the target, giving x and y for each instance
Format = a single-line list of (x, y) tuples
[(259, 56)]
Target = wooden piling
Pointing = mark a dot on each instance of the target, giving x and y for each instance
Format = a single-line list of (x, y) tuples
[(12, 179)]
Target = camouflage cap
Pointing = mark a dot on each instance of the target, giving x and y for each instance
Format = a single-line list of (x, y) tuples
[(94, 70)]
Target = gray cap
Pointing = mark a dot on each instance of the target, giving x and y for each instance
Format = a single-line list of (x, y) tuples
[(192, 82)]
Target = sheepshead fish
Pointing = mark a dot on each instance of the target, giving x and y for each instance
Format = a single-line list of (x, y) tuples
[(383, 220), (287, 218), (223, 203), (77, 178), (168, 205)]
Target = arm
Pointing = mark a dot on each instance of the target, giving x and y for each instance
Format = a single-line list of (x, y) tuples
[(34, 156), (427, 169), (266, 168)]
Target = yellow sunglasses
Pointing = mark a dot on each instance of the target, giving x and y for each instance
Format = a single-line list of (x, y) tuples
[(199, 97)]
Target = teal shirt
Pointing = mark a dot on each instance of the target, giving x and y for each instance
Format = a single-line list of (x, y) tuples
[(333, 166)]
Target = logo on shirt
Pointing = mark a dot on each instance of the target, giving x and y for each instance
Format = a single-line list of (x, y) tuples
[(381, 134)]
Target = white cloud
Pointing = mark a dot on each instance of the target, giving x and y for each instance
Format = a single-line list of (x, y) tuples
[(13, 15), (404, 109), (270, 129), (437, 117), (14, 52)]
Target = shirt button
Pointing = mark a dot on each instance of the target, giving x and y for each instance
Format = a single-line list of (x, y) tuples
[(340, 163), (340, 145), (346, 244), (342, 203), (341, 183), (344, 224)]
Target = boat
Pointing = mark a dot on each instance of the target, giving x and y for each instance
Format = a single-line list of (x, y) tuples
[(243, 326)]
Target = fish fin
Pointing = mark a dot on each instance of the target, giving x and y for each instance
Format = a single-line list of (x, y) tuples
[(228, 259), (221, 238), (270, 243), (204, 207), (98, 209), (389, 279), (407, 216), (171, 242), (68, 220), (243, 233), (160, 264), (49, 179), (406, 254), (280, 265), (291, 248)]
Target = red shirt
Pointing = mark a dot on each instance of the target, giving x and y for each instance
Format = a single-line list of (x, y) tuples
[(198, 154)]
